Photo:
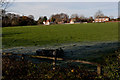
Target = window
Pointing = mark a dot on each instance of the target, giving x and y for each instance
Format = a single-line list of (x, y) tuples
[(106, 19)]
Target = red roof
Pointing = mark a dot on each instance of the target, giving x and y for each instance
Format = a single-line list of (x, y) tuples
[(102, 17)]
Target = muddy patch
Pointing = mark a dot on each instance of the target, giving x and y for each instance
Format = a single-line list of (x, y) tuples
[(81, 51)]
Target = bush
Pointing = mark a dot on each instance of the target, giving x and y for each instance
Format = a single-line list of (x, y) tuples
[(24, 70), (111, 68)]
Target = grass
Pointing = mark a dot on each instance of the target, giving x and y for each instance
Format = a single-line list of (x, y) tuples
[(57, 34)]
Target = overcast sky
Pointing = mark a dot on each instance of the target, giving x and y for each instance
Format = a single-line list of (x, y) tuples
[(87, 9), (67, 0)]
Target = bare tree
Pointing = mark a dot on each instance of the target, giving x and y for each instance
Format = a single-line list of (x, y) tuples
[(31, 16), (82, 16), (74, 15), (111, 17), (4, 4), (99, 14)]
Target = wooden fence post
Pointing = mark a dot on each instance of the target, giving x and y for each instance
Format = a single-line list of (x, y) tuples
[(98, 69), (54, 60), (22, 57)]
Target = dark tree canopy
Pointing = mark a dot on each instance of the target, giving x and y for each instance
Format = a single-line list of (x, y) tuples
[(62, 17), (10, 19), (41, 19)]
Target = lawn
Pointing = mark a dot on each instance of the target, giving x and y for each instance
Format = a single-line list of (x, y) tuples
[(58, 34)]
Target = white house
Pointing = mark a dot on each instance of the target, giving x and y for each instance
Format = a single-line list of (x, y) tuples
[(71, 21), (46, 23), (102, 19)]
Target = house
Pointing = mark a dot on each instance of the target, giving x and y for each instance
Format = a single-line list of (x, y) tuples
[(85, 22), (71, 21), (102, 19), (60, 22), (46, 23)]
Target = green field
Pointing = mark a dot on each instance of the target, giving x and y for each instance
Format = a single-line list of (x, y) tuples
[(57, 34)]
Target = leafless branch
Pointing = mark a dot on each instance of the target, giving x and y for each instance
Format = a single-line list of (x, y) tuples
[(4, 4)]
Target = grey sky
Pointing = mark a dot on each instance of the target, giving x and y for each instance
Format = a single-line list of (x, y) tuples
[(48, 8), (66, 0)]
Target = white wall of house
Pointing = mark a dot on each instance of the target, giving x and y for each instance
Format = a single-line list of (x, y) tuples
[(71, 22), (101, 19), (47, 23), (44, 22)]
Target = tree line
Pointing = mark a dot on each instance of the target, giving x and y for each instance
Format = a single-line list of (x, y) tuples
[(11, 19), (16, 20)]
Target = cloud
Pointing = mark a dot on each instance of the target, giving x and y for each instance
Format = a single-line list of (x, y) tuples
[(48, 8), (67, 0)]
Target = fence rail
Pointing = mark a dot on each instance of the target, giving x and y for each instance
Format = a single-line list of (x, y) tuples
[(55, 60)]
